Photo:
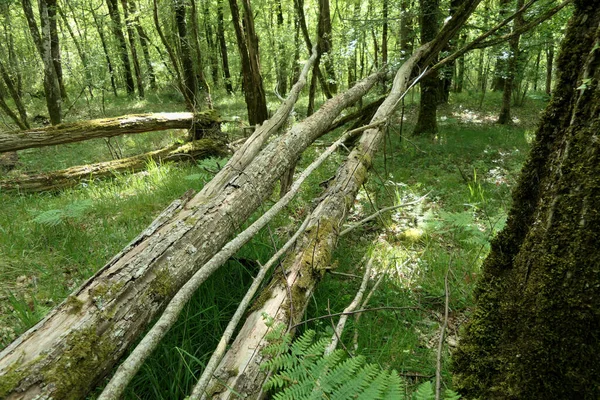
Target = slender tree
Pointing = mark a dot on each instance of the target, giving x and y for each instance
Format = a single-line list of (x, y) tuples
[(117, 29), (223, 47), (132, 47), (109, 64), (247, 42)]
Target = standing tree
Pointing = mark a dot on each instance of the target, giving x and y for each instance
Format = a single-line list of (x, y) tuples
[(43, 43), (534, 334), (247, 40), (115, 16), (430, 85)]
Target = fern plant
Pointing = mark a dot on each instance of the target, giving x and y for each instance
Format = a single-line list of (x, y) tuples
[(301, 370), (73, 211)]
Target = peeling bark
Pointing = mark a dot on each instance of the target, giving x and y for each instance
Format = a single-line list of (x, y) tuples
[(105, 127), (79, 342), (70, 177)]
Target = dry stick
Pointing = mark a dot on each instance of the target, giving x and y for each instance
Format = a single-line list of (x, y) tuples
[(357, 312), (357, 299), (378, 213), (132, 364), (363, 305), (438, 370), (239, 313)]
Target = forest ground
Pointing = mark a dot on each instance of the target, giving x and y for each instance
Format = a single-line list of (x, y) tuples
[(50, 243)]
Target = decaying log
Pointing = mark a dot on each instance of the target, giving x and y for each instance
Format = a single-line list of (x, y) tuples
[(106, 127), (80, 341), (239, 372), (70, 177)]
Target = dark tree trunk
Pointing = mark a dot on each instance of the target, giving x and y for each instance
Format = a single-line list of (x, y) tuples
[(115, 16), (537, 70), (534, 334), (384, 37), (406, 29), (200, 77), (325, 45), (513, 59), (448, 71), (14, 93), (55, 46), (111, 70), (134, 57), (430, 86), (460, 69), (549, 66), (282, 57), (212, 48), (247, 41), (43, 45), (500, 69), (144, 41), (223, 47), (187, 64), (8, 111)]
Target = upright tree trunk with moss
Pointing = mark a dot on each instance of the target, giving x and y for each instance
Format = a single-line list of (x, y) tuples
[(513, 59), (430, 86), (325, 44), (252, 83), (549, 66), (534, 334), (406, 29), (187, 64), (55, 46)]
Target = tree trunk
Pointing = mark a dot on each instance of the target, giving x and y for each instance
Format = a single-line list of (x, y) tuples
[(406, 30), (513, 59), (78, 343), (549, 67), (534, 332), (384, 38), (111, 71), (430, 85), (73, 176), (212, 48), (115, 16), (325, 46), (223, 47), (106, 127), (201, 78), (282, 61), (8, 111), (51, 81), (187, 64), (134, 57), (14, 93), (448, 70), (460, 68), (55, 46), (252, 83), (500, 69), (80, 52), (144, 41)]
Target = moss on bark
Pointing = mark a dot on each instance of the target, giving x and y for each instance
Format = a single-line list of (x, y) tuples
[(534, 332)]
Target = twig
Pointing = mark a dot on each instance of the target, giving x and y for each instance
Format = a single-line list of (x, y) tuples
[(337, 332), (344, 274), (363, 305), (358, 311), (222, 346), (378, 213), (438, 370), (115, 388)]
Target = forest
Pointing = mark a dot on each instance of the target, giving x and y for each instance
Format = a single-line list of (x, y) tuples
[(300, 199)]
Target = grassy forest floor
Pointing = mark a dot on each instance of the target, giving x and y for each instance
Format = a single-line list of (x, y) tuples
[(50, 243)]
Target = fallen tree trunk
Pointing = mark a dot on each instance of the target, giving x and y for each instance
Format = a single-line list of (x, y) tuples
[(79, 342), (239, 373), (58, 180), (106, 127)]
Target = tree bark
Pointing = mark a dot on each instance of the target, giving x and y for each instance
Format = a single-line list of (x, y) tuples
[(223, 47), (325, 46), (78, 343), (14, 93), (282, 61), (70, 177), (107, 127), (55, 46), (117, 28), (430, 86), (500, 69), (212, 48), (7, 110), (549, 67), (201, 78), (144, 41), (513, 59), (533, 334), (187, 64), (406, 30), (51, 80), (80, 52), (252, 83)]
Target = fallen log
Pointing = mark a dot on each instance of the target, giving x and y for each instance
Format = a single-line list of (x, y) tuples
[(80, 341), (106, 127), (70, 177), (239, 373)]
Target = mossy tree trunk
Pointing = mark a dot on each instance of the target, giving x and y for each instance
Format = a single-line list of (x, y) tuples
[(430, 85), (534, 334), (117, 29)]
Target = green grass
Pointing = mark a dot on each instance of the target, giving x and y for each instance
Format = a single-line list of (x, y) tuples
[(50, 243)]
